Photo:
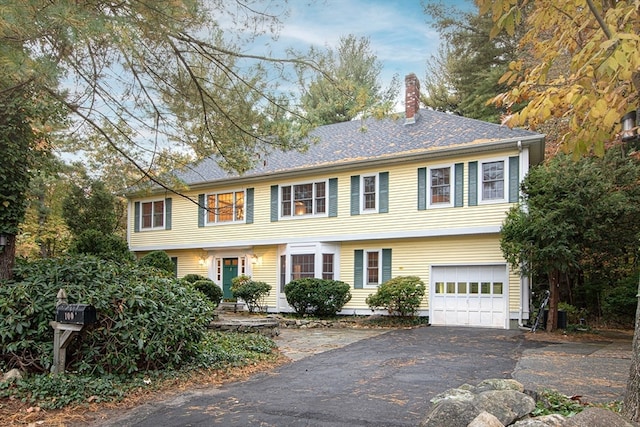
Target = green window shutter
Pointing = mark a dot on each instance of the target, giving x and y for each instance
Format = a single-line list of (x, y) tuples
[(458, 200), (358, 269), (386, 265), (167, 213), (248, 208), (333, 197), (514, 178), (201, 210), (473, 183), (384, 192), (355, 195), (174, 260), (275, 190), (422, 189), (136, 217)]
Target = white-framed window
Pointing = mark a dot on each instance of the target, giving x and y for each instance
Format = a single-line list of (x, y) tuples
[(440, 186), (372, 268), (327, 266), (493, 180), (152, 215), (302, 266), (225, 207), (308, 260), (369, 193), (305, 199)]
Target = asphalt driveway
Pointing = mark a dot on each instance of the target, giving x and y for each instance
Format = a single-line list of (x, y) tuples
[(384, 380)]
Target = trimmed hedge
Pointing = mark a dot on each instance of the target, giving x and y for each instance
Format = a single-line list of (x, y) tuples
[(159, 260), (400, 296), (320, 297), (250, 291), (210, 290)]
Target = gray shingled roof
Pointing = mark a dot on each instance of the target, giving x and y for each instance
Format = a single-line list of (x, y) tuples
[(357, 141)]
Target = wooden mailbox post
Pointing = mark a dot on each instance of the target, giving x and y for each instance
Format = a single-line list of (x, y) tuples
[(70, 319)]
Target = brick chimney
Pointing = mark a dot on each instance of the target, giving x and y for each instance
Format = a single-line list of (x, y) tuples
[(411, 98)]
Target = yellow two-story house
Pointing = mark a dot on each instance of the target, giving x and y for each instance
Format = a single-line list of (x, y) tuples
[(423, 195)]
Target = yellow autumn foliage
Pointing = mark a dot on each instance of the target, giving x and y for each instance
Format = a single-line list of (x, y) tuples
[(599, 80)]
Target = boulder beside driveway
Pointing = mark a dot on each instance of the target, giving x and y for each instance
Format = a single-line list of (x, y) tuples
[(503, 402), (503, 398)]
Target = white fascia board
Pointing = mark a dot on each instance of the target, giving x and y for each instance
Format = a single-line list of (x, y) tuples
[(409, 234)]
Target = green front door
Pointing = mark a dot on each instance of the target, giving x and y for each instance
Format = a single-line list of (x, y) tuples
[(229, 271)]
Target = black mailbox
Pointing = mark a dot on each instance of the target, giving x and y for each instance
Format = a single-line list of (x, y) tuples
[(79, 314)]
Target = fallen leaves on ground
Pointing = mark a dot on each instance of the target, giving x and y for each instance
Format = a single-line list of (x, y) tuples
[(14, 412)]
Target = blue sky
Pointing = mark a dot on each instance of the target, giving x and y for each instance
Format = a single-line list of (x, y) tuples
[(398, 30)]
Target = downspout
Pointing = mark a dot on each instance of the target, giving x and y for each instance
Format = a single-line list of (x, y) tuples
[(525, 282), (525, 303)]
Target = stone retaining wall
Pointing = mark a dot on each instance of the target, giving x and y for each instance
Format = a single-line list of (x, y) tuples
[(265, 326)]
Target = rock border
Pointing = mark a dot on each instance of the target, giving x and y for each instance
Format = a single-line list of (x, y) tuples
[(505, 402)]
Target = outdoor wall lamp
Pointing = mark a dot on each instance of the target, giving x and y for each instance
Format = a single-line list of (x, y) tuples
[(3, 240)]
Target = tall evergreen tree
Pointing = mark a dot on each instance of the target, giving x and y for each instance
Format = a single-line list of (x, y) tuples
[(90, 207), (348, 86), (465, 72)]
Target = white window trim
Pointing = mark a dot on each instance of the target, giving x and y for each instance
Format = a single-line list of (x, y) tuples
[(317, 249), (452, 179), (365, 275), (311, 215), (164, 215), (505, 193), (234, 221), (362, 208)]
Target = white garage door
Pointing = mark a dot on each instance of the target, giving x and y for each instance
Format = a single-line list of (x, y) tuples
[(469, 296)]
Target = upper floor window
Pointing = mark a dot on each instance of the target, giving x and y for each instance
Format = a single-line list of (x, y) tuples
[(152, 215), (225, 207), (369, 192), (303, 199), (440, 186), (493, 180)]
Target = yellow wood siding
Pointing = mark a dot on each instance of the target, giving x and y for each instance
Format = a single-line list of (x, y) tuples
[(266, 270), (403, 216), (415, 257)]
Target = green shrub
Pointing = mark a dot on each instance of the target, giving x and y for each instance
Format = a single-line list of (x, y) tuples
[(192, 278), (399, 296), (553, 402), (210, 289), (105, 246), (145, 322), (220, 349), (251, 292), (573, 313), (159, 260), (319, 297), (619, 302), (217, 350)]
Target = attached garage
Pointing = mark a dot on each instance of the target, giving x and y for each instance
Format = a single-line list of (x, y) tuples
[(469, 295)]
